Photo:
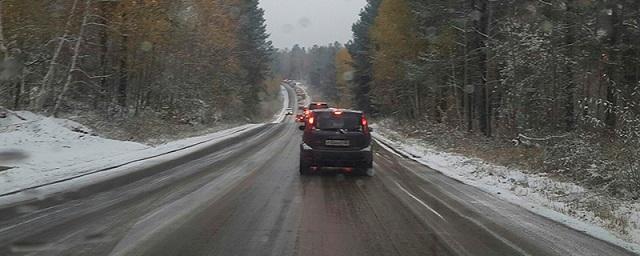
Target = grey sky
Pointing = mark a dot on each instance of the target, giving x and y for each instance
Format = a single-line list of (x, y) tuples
[(309, 22)]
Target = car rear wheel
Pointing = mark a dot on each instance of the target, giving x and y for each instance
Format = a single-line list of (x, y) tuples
[(305, 169), (370, 172)]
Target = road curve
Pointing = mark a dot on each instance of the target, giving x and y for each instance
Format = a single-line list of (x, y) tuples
[(247, 198)]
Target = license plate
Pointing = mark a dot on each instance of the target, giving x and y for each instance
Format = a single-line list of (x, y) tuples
[(341, 143)]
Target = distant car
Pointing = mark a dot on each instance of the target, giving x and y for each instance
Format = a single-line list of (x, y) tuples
[(300, 118), (289, 111), (318, 105), (305, 114), (336, 138), (313, 106)]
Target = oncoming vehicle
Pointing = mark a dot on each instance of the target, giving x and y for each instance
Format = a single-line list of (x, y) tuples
[(336, 138), (289, 111)]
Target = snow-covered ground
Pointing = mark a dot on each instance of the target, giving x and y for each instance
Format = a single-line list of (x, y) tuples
[(535, 192), (36, 150), (44, 150), (281, 115)]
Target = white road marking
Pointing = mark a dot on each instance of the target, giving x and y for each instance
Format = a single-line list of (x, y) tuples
[(419, 201)]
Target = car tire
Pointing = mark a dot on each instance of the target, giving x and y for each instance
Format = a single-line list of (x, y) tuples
[(369, 172), (305, 169)]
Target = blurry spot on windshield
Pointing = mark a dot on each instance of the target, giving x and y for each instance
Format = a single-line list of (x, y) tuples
[(347, 76), (146, 46), (304, 22), (12, 155), (287, 28)]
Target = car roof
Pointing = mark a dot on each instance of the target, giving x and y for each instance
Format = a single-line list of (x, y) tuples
[(337, 109)]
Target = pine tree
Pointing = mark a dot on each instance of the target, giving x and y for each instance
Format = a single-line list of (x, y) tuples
[(256, 50), (360, 49)]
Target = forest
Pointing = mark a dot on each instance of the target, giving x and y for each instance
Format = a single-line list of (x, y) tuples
[(187, 61), (551, 85), (327, 68), (558, 76)]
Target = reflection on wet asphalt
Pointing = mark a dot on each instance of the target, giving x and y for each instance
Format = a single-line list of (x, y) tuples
[(245, 197)]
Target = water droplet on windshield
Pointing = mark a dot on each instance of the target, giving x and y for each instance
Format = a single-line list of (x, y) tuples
[(304, 22)]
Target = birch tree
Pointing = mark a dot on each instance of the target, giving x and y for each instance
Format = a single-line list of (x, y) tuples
[(45, 90), (74, 68), (3, 46)]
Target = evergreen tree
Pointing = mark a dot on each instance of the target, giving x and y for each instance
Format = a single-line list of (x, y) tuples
[(255, 50), (360, 49)]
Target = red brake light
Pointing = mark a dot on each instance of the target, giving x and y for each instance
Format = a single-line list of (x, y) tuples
[(338, 112), (311, 120), (364, 121)]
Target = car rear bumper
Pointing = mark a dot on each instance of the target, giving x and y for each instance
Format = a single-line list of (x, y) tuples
[(336, 157)]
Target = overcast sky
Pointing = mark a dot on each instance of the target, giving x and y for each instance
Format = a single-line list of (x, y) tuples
[(309, 22)]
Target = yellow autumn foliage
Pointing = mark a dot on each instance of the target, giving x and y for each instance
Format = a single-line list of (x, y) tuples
[(344, 75), (394, 45)]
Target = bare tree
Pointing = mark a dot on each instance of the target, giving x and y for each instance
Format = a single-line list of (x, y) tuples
[(3, 46), (45, 88), (74, 59)]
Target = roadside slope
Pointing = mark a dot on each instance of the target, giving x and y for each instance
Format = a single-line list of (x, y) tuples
[(539, 194), (36, 151)]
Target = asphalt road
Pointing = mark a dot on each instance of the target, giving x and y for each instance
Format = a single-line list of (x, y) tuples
[(245, 197)]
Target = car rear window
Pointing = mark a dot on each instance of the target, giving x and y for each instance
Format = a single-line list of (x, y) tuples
[(318, 106), (332, 121)]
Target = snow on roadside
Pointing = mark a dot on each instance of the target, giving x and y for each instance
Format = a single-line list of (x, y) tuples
[(42, 150), (280, 116), (535, 192)]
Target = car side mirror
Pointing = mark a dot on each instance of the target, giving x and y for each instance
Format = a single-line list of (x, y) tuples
[(301, 127)]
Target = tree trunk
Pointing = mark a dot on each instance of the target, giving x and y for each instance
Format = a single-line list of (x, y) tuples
[(123, 81), (105, 11), (569, 90), (18, 93), (613, 62), (45, 90), (3, 46), (482, 87), (456, 95), (467, 100), (74, 58)]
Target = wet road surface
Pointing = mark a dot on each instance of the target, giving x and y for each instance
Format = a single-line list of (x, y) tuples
[(245, 197)]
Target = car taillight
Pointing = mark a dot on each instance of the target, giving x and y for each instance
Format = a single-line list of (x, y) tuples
[(311, 120), (364, 121)]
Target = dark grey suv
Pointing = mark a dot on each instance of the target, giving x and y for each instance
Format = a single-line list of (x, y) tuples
[(336, 138)]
